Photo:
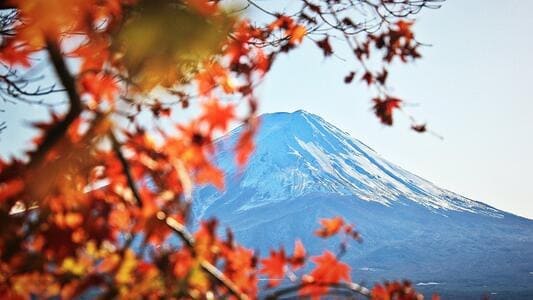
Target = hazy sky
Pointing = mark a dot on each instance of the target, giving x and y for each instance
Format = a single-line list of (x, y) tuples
[(473, 86)]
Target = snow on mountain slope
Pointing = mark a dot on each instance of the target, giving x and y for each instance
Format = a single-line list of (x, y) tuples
[(300, 153)]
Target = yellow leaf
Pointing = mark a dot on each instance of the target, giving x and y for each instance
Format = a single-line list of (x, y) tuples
[(124, 273), (198, 278), (163, 44), (297, 34), (71, 265)]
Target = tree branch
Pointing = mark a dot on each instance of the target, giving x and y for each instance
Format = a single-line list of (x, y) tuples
[(20, 90), (59, 129), (349, 286), (209, 268), (176, 227), (68, 82), (5, 5), (126, 170)]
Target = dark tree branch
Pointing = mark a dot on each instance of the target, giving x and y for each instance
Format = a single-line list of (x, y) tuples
[(126, 169), (6, 5), (14, 89), (348, 286), (68, 82), (59, 129)]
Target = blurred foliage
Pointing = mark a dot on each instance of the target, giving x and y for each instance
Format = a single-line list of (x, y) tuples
[(164, 42)]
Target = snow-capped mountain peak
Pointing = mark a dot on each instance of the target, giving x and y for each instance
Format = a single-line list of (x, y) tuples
[(300, 153)]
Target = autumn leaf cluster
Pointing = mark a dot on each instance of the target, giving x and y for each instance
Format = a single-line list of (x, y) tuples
[(99, 204)]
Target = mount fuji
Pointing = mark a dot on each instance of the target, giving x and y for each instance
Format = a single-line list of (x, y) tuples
[(305, 169)]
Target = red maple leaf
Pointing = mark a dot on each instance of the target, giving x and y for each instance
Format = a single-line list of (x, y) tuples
[(274, 267), (325, 46), (349, 77), (382, 77), (217, 115), (368, 78), (404, 28), (15, 53), (100, 86), (383, 108), (328, 270)]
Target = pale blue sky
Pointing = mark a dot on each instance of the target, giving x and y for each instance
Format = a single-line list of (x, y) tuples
[(472, 86)]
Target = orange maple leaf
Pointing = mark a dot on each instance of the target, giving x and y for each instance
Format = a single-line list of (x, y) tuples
[(213, 76), (404, 28), (328, 270), (297, 34), (298, 257), (94, 53), (274, 267), (210, 174), (218, 115), (206, 240), (100, 86), (241, 268), (204, 7), (244, 147), (262, 62), (284, 22), (330, 227), (10, 188)]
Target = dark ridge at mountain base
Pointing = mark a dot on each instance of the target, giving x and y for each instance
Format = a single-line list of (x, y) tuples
[(305, 169)]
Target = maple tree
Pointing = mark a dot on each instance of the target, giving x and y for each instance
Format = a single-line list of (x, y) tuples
[(89, 211)]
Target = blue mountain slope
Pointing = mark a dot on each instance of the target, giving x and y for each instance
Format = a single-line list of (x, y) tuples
[(305, 169)]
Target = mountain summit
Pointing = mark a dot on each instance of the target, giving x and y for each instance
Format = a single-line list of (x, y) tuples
[(300, 153), (304, 169)]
